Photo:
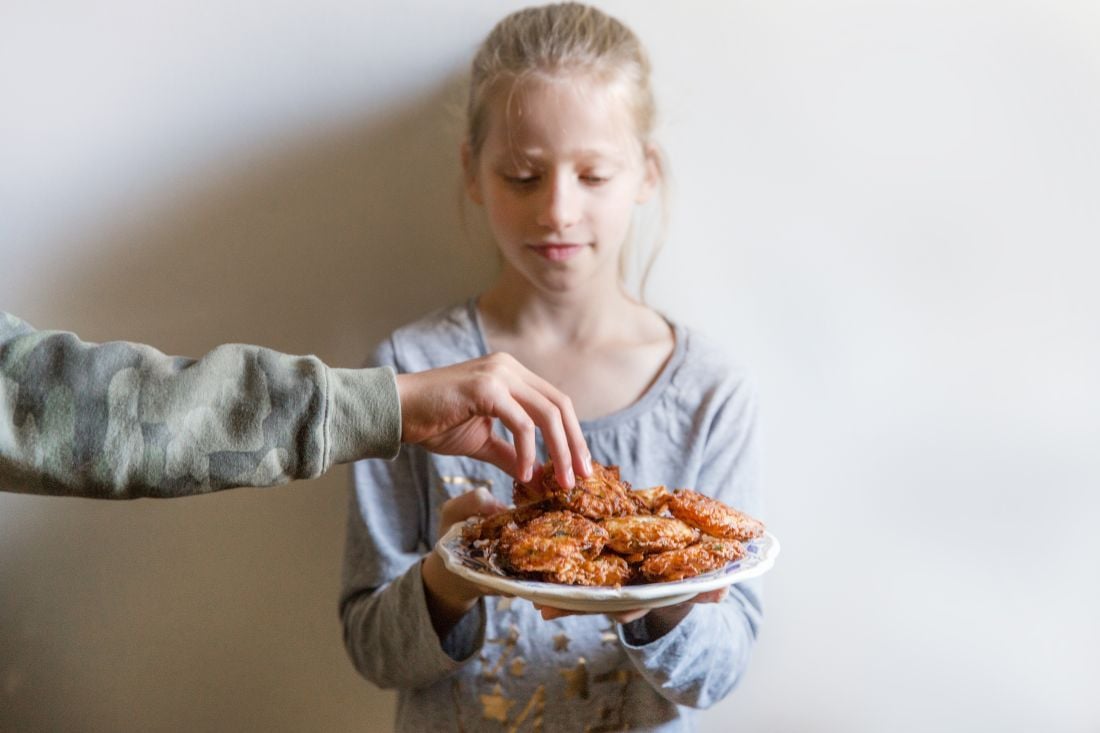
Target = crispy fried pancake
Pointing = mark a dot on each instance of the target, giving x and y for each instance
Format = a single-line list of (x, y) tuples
[(712, 516), (551, 542), (706, 555), (645, 533), (605, 570)]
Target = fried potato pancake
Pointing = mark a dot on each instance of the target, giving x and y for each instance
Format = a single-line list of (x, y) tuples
[(551, 542), (605, 570), (600, 495), (645, 533), (712, 516), (702, 557), (651, 500), (489, 528)]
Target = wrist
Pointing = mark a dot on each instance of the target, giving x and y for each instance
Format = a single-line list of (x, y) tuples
[(364, 414), (660, 621), (446, 591)]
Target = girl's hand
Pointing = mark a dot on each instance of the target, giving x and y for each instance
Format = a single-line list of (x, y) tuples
[(450, 597), (451, 410), (476, 503), (661, 620)]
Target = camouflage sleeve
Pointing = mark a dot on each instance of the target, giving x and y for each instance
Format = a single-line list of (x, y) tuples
[(121, 420)]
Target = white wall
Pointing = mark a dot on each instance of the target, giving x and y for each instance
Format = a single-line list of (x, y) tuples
[(888, 209)]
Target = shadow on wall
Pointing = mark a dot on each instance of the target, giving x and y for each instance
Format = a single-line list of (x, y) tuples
[(219, 612), (322, 246)]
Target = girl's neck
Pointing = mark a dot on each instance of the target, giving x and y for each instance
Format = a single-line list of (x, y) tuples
[(512, 308), (594, 343)]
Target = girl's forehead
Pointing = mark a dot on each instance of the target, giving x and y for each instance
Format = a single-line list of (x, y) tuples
[(573, 115)]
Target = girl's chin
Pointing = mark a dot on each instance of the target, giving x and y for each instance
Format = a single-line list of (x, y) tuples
[(579, 275)]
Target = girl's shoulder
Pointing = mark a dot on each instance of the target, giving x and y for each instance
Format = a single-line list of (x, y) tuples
[(439, 338), (705, 360)]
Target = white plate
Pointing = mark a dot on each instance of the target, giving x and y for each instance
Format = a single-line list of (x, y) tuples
[(759, 556)]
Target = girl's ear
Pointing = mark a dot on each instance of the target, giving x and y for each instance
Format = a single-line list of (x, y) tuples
[(652, 175), (469, 174)]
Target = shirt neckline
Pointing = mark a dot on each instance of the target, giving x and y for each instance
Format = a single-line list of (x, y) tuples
[(641, 405)]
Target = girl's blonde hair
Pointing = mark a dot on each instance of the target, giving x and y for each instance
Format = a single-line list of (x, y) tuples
[(561, 39)]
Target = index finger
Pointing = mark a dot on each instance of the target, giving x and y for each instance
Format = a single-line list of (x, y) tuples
[(553, 413)]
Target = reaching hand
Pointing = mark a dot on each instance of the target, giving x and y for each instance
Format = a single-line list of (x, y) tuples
[(450, 410)]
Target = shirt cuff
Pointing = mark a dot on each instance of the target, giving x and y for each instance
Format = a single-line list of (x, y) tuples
[(364, 416), (462, 642), (639, 643)]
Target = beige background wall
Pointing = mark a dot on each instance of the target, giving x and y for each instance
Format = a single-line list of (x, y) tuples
[(888, 209)]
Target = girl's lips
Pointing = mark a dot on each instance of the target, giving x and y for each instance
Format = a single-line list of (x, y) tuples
[(556, 252)]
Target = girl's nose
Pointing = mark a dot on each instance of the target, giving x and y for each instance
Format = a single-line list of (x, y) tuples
[(559, 208)]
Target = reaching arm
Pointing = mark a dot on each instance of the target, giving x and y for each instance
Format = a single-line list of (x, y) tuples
[(122, 420)]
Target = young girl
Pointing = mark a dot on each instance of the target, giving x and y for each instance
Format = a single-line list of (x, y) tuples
[(558, 154)]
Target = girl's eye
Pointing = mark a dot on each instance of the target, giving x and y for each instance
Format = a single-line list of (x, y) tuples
[(525, 180), (595, 180)]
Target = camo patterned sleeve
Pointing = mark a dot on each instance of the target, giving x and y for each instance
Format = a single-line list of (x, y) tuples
[(121, 420)]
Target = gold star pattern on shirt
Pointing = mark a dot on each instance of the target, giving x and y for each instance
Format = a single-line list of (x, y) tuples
[(469, 484), (518, 667), (536, 704), (495, 706), (576, 680), (561, 642)]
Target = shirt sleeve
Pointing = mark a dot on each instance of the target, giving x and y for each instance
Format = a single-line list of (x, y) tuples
[(387, 627), (122, 420), (702, 658)]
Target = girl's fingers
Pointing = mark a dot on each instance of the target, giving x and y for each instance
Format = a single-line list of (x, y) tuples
[(479, 502), (625, 617), (713, 596), (549, 613)]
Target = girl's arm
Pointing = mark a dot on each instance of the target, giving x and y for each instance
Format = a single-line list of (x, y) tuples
[(695, 656), (386, 609), (448, 596), (407, 622)]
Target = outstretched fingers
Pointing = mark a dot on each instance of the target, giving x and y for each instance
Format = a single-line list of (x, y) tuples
[(553, 413), (515, 417)]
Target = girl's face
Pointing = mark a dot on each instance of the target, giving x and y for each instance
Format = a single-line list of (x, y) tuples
[(559, 174)]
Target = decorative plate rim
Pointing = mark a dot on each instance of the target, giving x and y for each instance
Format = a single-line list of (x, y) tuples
[(759, 558)]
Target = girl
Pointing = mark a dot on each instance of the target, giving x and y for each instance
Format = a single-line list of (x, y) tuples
[(558, 154)]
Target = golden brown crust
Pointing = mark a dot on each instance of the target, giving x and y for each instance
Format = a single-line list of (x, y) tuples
[(604, 570), (551, 542), (651, 500), (489, 528), (708, 554), (600, 495), (712, 516), (644, 533), (532, 491)]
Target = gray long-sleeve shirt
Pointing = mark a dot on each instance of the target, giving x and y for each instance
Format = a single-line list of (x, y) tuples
[(122, 420), (503, 667)]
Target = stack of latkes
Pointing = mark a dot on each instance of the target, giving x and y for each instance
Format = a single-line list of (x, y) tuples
[(602, 532)]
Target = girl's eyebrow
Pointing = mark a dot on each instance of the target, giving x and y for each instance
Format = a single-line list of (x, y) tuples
[(538, 155)]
